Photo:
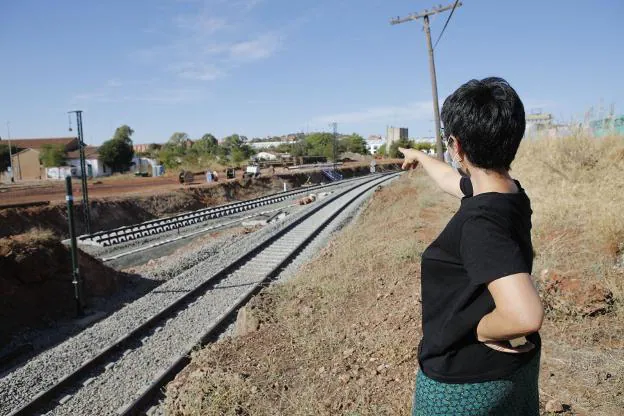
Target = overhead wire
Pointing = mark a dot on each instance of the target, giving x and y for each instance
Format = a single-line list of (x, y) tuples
[(446, 24)]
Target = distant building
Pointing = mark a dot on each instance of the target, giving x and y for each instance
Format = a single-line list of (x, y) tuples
[(537, 123), (145, 147), (394, 134), (266, 156), (373, 143), (27, 159), (26, 165), (264, 145), (607, 126), (26, 162), (95, 167), (67, 143)]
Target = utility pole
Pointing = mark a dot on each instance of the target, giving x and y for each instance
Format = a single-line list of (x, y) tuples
[(434, 83), (335, 128), (83, 169), (10, 152)]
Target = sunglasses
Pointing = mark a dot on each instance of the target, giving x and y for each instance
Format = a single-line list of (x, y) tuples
[(448, 139)]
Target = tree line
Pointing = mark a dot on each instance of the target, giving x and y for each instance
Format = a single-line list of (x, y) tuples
[(180, 150)]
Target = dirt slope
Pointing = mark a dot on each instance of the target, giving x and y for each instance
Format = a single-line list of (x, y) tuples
[(341, 337), (115, 211), (35, 283)]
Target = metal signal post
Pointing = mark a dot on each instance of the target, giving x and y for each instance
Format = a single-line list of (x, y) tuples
[(83, 172), (434, 83)]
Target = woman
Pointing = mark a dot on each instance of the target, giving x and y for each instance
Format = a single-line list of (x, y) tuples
[(481, 313)]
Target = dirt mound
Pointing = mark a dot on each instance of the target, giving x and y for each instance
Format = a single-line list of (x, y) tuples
[(35, 284), (116, 212), (574, 296)]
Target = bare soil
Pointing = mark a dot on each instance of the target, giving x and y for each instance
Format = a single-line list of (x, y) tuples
[(35, 283), (116, 186), (130, 201)]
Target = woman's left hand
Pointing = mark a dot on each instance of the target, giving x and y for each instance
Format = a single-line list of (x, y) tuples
[(504, 346)]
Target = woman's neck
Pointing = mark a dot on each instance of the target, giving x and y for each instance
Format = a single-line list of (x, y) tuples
[(492, 181)]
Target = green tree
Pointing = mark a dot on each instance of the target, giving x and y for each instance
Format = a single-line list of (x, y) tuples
[(232, 149), (123, 133), (320, 144), (285, 148), (179, 139), (206, 145), (394, 147), (171, 156), (423, 146), (381, 150), (117, 152), (354, 143), (52, 156), (5, 159)]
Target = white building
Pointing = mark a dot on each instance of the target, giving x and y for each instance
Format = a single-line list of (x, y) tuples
[(266, 156), (373, 143), (95, 167), (264, 145)]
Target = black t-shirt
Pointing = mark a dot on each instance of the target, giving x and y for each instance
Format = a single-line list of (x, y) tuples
[(488, 238)]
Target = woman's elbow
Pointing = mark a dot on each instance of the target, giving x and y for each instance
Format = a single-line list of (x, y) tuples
[(529, 321)]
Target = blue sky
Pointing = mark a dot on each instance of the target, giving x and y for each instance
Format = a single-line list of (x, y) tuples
[(271, 67)]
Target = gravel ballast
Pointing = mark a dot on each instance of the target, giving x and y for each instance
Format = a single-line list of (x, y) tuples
[(115, 386)]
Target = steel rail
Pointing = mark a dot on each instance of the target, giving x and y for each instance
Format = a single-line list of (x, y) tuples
[(157, 226), (45, 398)]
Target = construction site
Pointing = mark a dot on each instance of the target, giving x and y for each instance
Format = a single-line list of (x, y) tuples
[(271, 209)]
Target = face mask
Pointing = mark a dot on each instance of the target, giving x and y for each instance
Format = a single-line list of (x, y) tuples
[(451, 160)]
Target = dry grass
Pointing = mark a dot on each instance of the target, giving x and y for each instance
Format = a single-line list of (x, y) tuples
[(576, 185), (341, 338)]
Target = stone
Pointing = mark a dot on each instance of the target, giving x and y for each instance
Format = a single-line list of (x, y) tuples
[(246, 322)]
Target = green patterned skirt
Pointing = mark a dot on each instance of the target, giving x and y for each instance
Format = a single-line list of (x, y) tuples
[(514, 395)]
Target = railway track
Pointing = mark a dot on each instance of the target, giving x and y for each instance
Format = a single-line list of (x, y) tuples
[(125, 374), (163, 225), (135, 252)]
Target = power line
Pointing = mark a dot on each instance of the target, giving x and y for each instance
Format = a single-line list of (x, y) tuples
[(446, 24), (434, 83)]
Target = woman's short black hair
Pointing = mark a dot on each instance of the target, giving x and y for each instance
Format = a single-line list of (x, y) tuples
[(487, 117)]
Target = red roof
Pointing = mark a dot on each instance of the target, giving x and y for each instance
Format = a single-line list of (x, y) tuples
[(91, 152), (66, 142)]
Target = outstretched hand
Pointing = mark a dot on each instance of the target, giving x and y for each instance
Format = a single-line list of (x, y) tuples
[(411, 158)]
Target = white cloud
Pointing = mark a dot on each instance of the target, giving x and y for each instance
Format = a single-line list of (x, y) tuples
[(412, 111), (208, 45), (262, 47), (202, 72), (239, 5), (247, 5), (201, 25)]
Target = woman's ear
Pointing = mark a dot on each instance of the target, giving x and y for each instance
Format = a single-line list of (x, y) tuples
[(458, 149)]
